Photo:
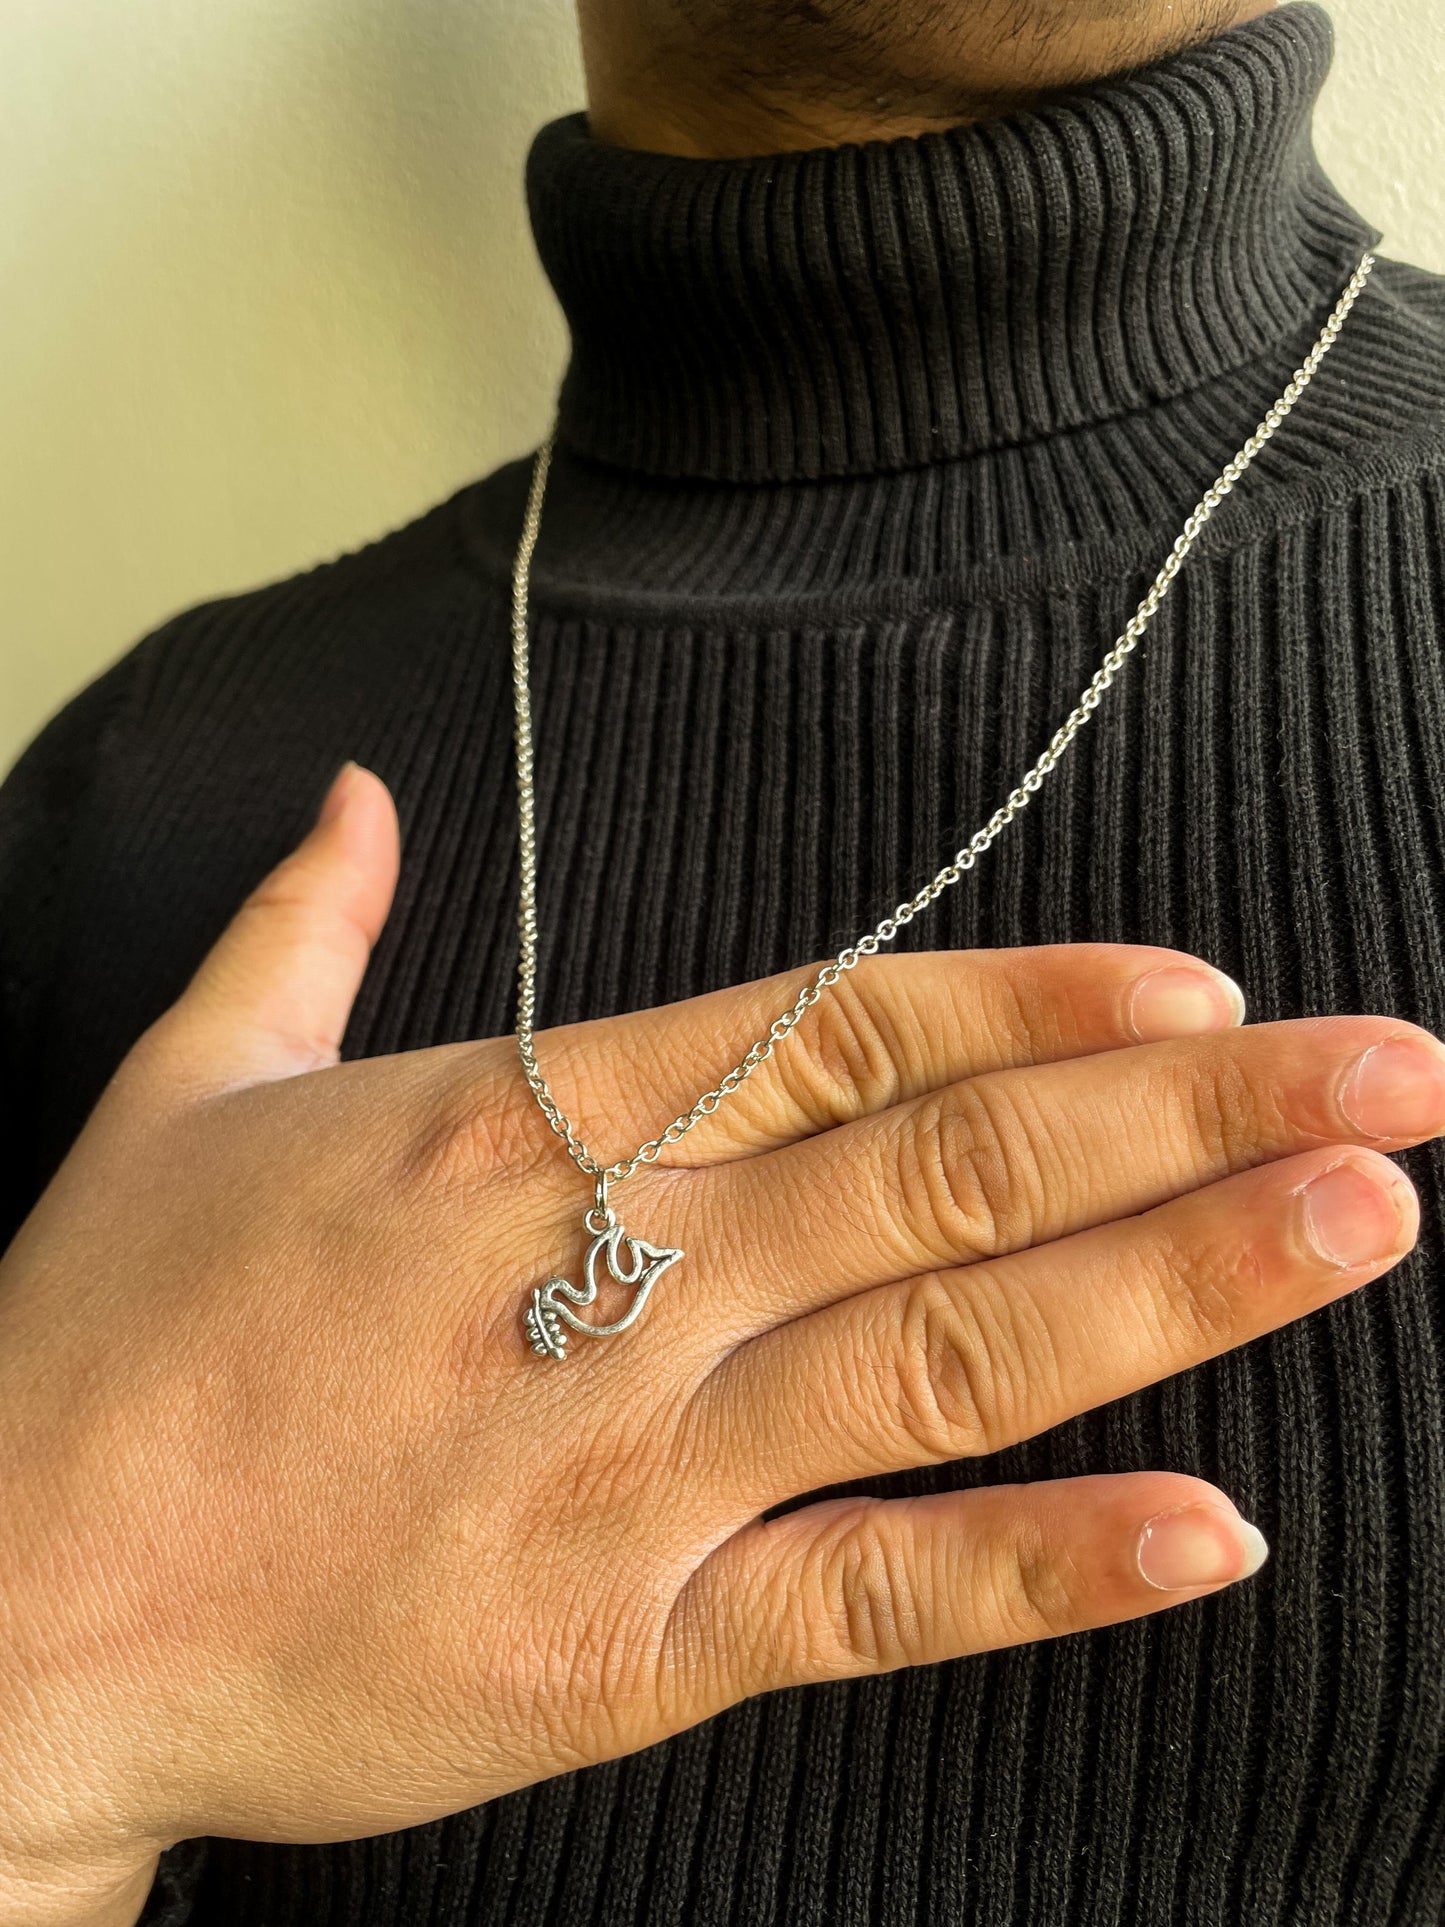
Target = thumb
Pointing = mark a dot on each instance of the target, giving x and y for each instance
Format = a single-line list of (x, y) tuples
[(273, 997)]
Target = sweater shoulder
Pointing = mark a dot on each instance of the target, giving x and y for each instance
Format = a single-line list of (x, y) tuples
[(158, 796), (1388, 373), (274, 685), (350, 618), (1413, 291), (403, 586), (1372, 426)]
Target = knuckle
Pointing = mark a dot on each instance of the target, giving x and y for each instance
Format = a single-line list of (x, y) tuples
[(627, 1474), (945, 1375), (1197, 1287), (700, 1652), (484, 1124), (1225, 1108), (1038, 1593), (618, 1473), (282, 914), (603, 1647), (868, 1592), (284, 890), (841, 1063), (574, 1679), (1023, 1023), (972, 1177)]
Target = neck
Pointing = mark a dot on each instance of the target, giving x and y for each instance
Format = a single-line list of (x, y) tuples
[(866, 309), (751, 84)]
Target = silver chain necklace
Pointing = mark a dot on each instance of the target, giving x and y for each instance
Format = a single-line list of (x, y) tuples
[(550, 1316)]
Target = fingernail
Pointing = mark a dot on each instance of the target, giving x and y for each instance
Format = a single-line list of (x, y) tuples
[(1352, 1217), (1178, 1001), (1199, 1545), (1397, 1089), (335, 800)]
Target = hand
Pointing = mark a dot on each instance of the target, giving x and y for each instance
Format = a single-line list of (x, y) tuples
[(301, 1542)]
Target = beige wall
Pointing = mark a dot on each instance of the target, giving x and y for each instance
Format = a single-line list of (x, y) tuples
[(266, 286)]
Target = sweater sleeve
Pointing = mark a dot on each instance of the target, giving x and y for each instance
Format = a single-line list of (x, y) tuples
[(43, 803)]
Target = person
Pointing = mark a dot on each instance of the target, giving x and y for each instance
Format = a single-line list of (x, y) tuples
[(903, 1559)]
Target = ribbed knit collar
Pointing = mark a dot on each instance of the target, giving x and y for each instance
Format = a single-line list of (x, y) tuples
[(852, 309)]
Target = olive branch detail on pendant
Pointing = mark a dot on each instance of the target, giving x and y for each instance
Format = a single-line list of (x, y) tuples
[(550, 1317)]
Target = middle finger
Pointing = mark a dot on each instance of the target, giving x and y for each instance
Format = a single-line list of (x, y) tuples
[(1019, 1157)]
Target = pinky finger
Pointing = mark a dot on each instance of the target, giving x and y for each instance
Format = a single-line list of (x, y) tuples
[(854, 1586)]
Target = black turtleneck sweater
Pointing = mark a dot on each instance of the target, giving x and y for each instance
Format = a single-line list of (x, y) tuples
[(866, 456)]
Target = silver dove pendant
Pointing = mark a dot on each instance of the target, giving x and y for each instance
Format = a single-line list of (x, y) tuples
[(550, 1316)]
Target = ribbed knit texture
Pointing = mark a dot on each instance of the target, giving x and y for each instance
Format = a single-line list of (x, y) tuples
[(867, 456)]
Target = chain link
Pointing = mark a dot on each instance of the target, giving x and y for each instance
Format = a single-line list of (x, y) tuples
[(952, 872)]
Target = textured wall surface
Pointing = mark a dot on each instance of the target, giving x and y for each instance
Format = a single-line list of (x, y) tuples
[(268, 287)]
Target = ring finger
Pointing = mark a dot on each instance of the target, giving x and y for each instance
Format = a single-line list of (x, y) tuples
[(959, 1363)]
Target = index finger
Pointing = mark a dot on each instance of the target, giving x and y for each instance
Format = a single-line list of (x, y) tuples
[(893, 1028)]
